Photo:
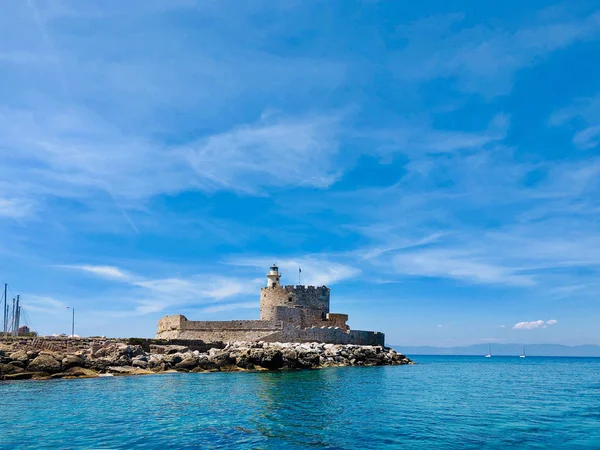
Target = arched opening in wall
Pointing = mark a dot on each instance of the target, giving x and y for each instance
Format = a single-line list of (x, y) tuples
[(323, 316), (290, 298)]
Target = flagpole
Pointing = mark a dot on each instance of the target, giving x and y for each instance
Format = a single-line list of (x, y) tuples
[(299, 272)]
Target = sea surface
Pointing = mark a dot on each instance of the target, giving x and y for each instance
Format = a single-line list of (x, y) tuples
[(443, 402)]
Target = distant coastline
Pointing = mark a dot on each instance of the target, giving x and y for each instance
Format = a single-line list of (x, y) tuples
[(503, 350)]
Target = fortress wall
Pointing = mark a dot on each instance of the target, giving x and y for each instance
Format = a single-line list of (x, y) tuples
[(270, 298), (293, 316), (169, 323), (226, 331), (328, 335), (311, 297), (234, 325), (338, 320), (308, 297), (218, 335), (359, 337)]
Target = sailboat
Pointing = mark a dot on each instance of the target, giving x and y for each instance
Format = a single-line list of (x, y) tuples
[(489, 355), (522, 355)]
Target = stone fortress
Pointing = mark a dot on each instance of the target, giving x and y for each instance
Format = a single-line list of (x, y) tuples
[(287, 314)]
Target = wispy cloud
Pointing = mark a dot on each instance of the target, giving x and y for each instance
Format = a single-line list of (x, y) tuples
[(109, 272), (44, 305), (317, 270), (484, 59), (273, 152), (586, 111), (457, 265)]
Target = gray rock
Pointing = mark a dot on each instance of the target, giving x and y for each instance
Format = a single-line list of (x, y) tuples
[(44, 363), (72, 361), (141, 363), (187, 364)]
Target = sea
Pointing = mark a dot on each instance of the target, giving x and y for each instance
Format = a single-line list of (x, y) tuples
[(441, 402)]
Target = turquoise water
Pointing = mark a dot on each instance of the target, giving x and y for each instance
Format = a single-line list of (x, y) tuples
[(442, 403)]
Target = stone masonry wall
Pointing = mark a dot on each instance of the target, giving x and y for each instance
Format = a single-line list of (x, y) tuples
[(315, 300), (213, 331), (328, 335), (338, 320)]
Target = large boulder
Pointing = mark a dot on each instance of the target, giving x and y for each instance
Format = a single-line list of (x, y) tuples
[(142, 363), (187, 364), (19, 355), (9, 368), (44, 363), (168, 349), (72, 361)]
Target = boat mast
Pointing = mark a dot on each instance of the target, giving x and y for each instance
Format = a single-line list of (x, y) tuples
[(5, 311), (18, 316)]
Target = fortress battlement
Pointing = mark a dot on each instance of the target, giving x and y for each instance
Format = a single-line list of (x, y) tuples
[(288, 313), (297, 287)]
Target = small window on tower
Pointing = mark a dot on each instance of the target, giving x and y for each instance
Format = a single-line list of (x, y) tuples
[(290, 298)]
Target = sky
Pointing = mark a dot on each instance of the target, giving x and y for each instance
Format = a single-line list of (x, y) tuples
[(436, 164)]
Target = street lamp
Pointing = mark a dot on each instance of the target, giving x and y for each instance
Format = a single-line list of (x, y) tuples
[(73, 321)]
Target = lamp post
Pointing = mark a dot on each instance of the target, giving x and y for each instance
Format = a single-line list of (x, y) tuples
[(72, 322)]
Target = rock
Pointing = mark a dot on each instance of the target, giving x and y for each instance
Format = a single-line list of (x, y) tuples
[(120, 370), (72, 361), (19, 376), (10, 368), (308, 359), (81, 372), (19, 355), (44, 363), (205, 365), (21, 364), (187, 364), (98, 364), (168, 349), (141, 363), (173, 358), (272, 359), (136, 350)]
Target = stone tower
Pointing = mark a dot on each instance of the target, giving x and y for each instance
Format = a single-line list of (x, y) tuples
[(273, 277)]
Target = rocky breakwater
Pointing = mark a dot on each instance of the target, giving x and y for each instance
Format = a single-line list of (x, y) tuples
[(124, 359)]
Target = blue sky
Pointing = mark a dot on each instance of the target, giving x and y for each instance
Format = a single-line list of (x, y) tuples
[(435, 163)]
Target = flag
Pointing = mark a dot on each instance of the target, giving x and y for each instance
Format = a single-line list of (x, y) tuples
[(299, 270)]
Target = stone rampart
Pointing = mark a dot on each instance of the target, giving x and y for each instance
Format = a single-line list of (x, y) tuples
[(328, 335), (213, 331)]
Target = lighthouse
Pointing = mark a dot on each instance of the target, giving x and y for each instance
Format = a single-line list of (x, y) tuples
[(273, 277)]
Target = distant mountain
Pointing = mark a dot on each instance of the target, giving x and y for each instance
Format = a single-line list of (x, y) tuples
[(503, 350)]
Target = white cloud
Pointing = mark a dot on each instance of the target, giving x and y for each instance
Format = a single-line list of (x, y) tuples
[(199, 287), (272, 152), (43, 305), (316, 270), (16, 208), (109, 272), (465, 266), (528, 325), (533, 325), (584, 110), (482, 58)]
